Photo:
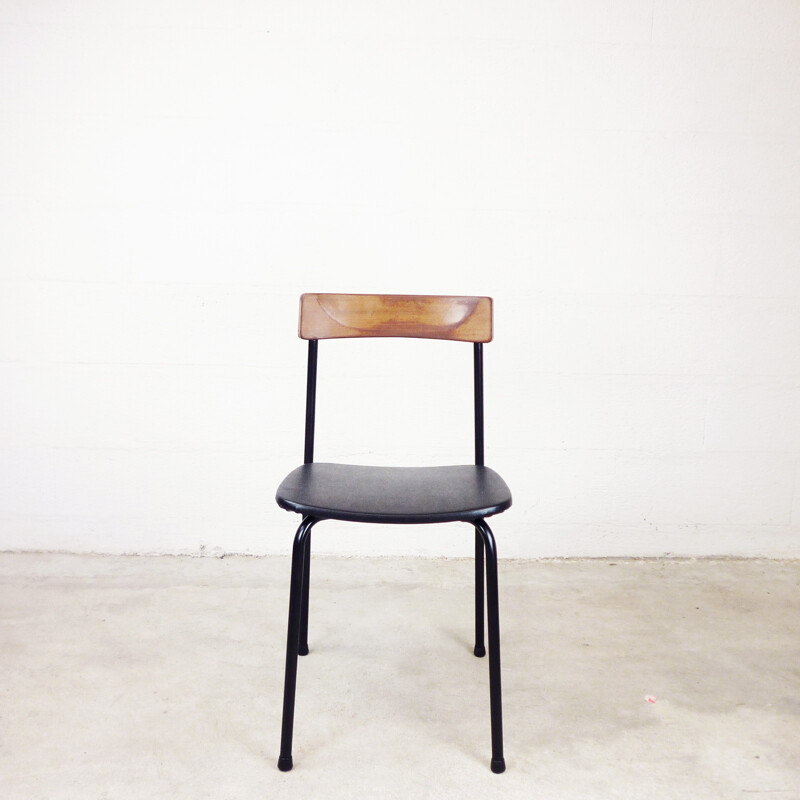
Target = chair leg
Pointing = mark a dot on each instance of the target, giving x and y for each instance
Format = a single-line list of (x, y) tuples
[(492, 607), (480, 647), (293, 641), (303, 648)]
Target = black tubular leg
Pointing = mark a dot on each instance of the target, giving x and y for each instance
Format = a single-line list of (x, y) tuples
[(495, 692), (293, 641), (303, 648), (480, 647)]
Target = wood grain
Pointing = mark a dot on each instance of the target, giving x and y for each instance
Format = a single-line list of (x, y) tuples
[(346, 316)]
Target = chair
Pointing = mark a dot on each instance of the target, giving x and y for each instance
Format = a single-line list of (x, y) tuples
[(406, 495)]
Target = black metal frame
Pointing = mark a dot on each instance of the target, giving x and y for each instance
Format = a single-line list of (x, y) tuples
[(485, 560)]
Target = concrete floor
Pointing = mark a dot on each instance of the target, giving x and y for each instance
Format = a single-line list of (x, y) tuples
[(162, 677)]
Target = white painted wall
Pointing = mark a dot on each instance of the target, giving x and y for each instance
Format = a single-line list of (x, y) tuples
[(623, 177)]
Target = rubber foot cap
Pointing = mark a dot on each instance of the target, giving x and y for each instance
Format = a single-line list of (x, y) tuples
[(302, 650), (498, 765), (285, 763), (480, 650)]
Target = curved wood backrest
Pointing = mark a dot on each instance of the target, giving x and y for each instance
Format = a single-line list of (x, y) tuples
[(347, 316)]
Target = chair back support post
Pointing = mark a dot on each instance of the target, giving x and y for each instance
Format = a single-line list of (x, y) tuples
[(478, 358), (311, 400)]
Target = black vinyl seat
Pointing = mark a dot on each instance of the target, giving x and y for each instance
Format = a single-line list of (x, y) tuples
[(320, 491), (404, 495)]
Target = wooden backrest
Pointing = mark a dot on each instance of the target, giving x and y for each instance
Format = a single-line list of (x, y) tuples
[(345, 316)]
